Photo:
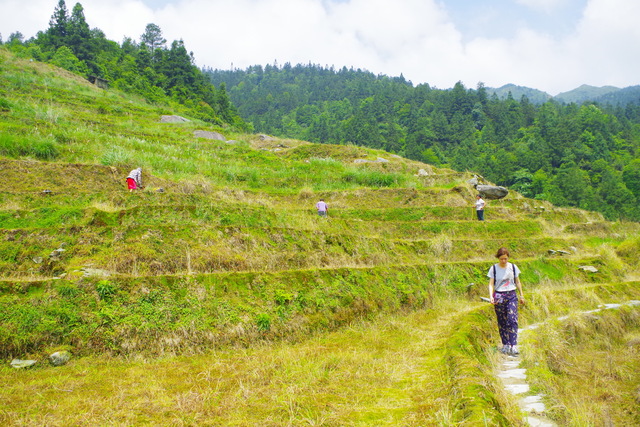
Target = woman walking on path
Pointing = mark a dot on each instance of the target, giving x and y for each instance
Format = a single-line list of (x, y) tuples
[(504, 279)]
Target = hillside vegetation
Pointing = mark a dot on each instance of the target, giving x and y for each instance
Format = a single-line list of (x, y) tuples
[(217, 296), (579, 154)]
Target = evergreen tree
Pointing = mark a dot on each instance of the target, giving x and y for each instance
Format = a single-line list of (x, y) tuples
[(631, 177), (152, 37), (79, 36), (58, 26)]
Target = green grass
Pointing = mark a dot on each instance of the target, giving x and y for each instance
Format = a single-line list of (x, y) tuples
[(221, 277), (389, 371)]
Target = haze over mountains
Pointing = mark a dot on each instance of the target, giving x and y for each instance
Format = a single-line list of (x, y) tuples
[(605, 94)]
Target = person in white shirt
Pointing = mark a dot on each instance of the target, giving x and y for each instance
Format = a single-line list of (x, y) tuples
[(504, 279), (480, 208)]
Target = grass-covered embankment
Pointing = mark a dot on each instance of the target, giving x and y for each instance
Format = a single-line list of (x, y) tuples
[(217, 296)]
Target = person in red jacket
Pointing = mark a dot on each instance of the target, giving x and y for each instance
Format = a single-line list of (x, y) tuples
[(134, 180)]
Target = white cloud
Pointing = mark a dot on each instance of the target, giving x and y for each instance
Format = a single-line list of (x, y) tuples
[(414, 37), (117, 18), (546, 6), (25, 17), (606, 44)]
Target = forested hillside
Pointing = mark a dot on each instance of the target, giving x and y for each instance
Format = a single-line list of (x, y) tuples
[(216, 295), (572, 155), (162, 74)]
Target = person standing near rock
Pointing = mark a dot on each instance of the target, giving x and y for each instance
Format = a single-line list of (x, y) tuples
[(134, 179), (323, 208), (479, 207), (504, 280)]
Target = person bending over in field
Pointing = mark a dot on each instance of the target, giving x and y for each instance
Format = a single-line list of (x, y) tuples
[(134, 180), (322, 207)]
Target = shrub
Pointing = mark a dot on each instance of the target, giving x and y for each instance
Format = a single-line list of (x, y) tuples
[(106, 290), (263, 321), (23, 146)]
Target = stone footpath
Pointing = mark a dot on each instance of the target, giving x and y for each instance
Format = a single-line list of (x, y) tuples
[(514, 378)]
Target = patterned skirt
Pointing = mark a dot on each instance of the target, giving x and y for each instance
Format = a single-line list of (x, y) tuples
[(506, 306)]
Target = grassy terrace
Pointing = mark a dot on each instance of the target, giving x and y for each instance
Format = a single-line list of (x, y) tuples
[(217, 296)]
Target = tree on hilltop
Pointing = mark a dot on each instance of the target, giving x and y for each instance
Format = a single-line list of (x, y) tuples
[(58, 26), (152, 37), (149, 69)]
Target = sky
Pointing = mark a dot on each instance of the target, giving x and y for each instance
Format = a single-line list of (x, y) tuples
[(550, 45)]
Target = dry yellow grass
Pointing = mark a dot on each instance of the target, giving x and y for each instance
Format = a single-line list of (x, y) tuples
[(386, 372), (588, 367)]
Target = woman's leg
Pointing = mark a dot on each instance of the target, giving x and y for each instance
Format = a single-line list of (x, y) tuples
[(511, 320), (502, 316)]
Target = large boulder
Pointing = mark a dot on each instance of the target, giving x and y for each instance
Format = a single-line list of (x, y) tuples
[(492, 192), (209, 135), (173, 119)]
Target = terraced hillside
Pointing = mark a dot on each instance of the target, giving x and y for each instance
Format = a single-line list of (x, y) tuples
[(217, 296)]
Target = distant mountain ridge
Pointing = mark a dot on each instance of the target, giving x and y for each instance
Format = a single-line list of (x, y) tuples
[(605, 94)]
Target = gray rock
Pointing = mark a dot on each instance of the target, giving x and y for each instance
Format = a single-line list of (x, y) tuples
[(59, 358), (56, 253), (589, 268), (18, 364), (492, 192), (209, 135), (173, 119), (95, 272), (422, 172), (361, 161), (382, 160)]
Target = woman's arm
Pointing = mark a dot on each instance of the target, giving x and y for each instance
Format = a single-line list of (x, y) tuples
[(491, 282), (519, 286)]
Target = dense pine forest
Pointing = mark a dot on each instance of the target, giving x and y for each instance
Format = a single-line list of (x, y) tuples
[(572, 155), (165, 75)]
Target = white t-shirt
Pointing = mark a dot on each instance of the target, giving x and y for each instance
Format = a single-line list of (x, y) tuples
[(479, 204), (504, 279)]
